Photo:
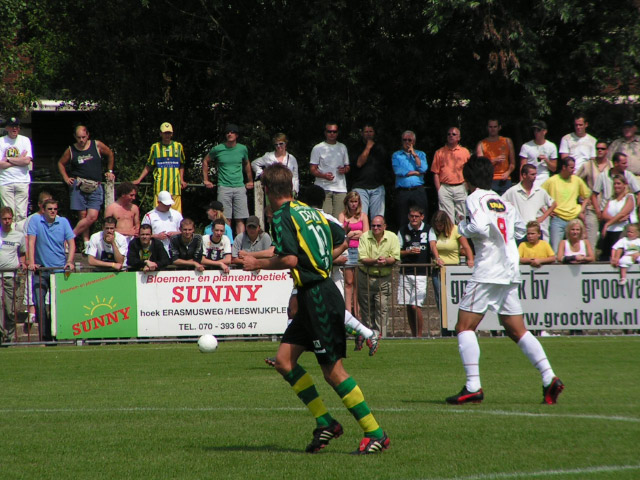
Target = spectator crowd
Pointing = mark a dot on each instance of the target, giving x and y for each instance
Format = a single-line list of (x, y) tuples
[(578, 201)]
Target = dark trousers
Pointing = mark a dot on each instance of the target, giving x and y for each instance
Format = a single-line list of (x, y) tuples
[(41, 286), (406, 198)]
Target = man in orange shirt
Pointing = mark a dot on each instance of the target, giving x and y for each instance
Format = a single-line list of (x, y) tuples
[(447, 176), (502, 155)]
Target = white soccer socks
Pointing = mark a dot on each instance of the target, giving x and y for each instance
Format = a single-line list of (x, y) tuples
[(354, 324), (532, 348), (470, 354)]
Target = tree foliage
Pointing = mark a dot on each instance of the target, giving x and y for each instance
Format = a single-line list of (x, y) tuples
[(274, 65)]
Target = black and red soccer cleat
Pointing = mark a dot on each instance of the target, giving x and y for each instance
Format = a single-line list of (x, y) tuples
[(465, 396), (373, 343), (370, 446), (323, 435), (551, 392)]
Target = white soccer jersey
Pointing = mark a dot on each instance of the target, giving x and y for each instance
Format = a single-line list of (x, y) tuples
[(493, 224)]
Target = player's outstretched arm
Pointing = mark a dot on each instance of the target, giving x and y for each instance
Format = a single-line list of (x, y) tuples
[(278, 262)]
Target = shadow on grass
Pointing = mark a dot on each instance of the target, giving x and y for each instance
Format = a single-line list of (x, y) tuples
[(262, 448), (438, 401)]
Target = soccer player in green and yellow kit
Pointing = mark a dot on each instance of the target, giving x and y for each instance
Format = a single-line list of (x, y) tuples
[(305, 242), (166, 160)]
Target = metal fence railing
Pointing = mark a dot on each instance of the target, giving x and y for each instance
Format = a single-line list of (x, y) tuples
[(22, 290)]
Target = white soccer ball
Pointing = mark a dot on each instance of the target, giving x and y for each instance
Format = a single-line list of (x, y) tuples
[(207, 343)]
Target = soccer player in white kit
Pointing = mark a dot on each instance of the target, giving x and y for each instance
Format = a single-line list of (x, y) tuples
[(492, 224)]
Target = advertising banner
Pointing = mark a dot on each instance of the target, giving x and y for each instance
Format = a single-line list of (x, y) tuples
[(560, 297), (95, 305), (187, 303), (170, 303)]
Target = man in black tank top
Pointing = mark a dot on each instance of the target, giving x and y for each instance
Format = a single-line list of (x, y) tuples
[(83, 160)]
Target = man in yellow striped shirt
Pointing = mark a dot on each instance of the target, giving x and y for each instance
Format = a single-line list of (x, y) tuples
[(166, 160)]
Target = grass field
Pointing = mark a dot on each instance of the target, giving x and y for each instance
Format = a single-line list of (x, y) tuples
[(168, 411)]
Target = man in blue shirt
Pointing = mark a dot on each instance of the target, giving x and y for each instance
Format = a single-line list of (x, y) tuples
[(47, 235), (409, 166)]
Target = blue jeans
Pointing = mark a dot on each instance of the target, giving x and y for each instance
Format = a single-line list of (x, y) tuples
[(435, 280), (556, 231), (372, 200)]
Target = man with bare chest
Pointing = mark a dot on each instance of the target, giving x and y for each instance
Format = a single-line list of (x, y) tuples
[(125, 211)]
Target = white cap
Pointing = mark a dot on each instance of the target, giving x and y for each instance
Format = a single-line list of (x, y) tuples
[(164, 197)]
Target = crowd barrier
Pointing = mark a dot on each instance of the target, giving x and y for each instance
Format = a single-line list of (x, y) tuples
[(179, 303), (560, 297)]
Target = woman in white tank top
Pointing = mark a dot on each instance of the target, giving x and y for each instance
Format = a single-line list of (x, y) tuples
[(575, 249), (618, 212)]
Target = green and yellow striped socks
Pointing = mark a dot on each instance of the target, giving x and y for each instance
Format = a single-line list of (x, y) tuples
[(353, 399), (303, 385)]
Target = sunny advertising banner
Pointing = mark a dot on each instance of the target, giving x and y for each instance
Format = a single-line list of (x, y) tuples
[(170, 303), (94, 305), (560, 297), (187, 303)]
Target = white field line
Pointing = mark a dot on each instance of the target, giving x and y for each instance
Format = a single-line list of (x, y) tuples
[(19, 410), (587, 416), (542, 473)]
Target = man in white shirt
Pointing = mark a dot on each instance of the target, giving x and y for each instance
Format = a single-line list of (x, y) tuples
[(578, 145), (15, 162), (217, 247), (540, 152), (531, 200), (108, 249), (12, 254), (164, 220), (329, 163), (493, 225)]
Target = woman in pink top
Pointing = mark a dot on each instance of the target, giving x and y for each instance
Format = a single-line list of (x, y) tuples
[(355, 222)]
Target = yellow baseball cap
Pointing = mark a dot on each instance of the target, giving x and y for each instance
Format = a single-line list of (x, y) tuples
[(166, 127)]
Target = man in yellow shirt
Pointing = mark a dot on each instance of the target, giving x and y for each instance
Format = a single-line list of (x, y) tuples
[(566, 189), (378, 251)]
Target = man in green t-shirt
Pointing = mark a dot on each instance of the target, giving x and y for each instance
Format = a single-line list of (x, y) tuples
[(306, 243), (231, 158)]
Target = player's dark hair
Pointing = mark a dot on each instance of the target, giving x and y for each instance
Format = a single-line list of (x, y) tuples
[(145, 226), (478, 171), (219, 221), (313, 195), (278, 179)]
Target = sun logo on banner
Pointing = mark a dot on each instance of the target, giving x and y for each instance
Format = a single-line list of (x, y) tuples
[(98, 304)]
